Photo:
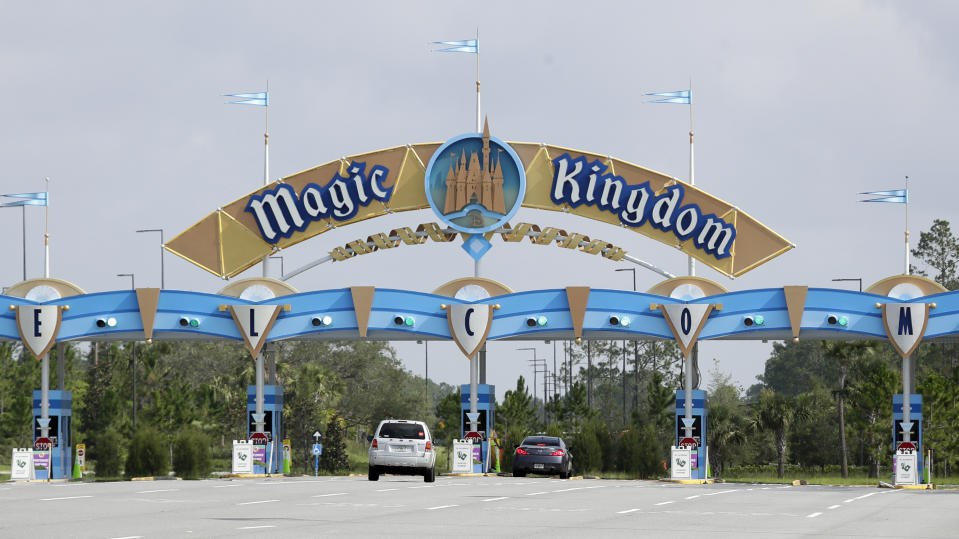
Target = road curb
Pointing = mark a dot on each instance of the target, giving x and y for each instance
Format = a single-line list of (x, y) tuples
[(688, 481)]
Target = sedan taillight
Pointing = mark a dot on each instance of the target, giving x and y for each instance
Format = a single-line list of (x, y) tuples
[(429, 446), (557, 453), (521, 451), (375, 445)]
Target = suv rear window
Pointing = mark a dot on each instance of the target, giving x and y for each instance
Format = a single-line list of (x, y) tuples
[(402, 430), (541, 440)]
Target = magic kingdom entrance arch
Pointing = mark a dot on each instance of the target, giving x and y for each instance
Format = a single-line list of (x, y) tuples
[(479, 182)]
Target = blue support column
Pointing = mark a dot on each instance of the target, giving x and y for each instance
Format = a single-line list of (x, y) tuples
[(486, 406), (273, 408), (699, 428), (915, 411), (61, 415)]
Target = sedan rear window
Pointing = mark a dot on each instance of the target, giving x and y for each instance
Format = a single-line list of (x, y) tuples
[(402, 430), (542, 440)]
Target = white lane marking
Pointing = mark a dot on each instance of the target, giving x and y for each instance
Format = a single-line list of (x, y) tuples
[(440, 507), (662, 503), (331, 494), (226, 486), (766, 488), (535, 493), (833, 507), (261, 501), (787, 486), (814, 515), (720, 492), (692, 497), (494, 499), (158, 490), (386, 489), (569, 489), (626, 511), (129, 537), (254, 527), (63, 498)]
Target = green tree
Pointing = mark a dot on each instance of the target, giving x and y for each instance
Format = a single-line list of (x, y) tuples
[(777, 414), (447, 426), (334, 458), (871, 398), (844, 354), (938, 248), (727, 422)]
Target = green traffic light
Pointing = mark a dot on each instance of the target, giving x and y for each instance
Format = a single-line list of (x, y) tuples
[(409, 321), (542, 321)]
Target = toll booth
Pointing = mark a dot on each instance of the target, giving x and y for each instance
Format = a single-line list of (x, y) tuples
[(486, 407), (698, 455), (61, 453), (271, 452), (915, 404)]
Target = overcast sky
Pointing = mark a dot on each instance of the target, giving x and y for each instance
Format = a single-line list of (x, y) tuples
[(799, 106)]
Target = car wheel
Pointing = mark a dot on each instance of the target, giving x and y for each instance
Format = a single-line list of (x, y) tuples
[(517, 473), (374, 474), (430, 475)]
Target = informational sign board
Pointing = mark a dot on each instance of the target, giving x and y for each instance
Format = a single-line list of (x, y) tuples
[(681, 464), (907, 472), (317, 449), (462, 456), (82, 456), (21, 464), (242, 457)]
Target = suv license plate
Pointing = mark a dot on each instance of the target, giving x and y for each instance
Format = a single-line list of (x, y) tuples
[(402, 449), (537, 466)]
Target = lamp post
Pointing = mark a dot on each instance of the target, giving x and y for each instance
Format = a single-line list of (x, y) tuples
[(160, 230), (426, 356), (536, 362), (281, 265), (633, 270), (133, 353), (859, 279)]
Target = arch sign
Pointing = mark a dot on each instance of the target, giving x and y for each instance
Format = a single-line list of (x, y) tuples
[(475, 183)]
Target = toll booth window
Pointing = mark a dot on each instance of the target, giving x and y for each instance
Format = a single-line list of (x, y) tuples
[(410, 431)]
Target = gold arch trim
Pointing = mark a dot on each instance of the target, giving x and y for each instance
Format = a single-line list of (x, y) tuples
[(227, 241)]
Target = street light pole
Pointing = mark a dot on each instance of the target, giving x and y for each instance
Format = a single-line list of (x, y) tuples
[(133, 353), (162, 244), (859, 279), (426, 354)]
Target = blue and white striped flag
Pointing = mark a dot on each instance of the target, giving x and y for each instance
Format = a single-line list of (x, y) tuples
[(260, 99), (897, 196), (682, 97), (466, 45), (31, 199)]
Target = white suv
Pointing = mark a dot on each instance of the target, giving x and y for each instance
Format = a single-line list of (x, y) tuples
[(402, 447)]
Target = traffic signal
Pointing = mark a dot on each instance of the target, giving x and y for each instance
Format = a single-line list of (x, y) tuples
[(754, 319), (404, 320), (616, 320), (834, 320), (189, 322), (322, 320), (534, 321), (106, 322)]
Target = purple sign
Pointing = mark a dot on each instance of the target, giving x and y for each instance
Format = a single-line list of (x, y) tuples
[(41, 459), (694, 459), (259, 454)]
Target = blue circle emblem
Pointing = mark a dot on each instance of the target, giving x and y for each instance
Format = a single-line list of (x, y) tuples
[(475, 183)]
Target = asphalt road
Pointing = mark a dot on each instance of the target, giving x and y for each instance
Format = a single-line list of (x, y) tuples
[(467, 506)]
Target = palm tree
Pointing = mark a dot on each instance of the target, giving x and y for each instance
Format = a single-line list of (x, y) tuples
[(844, 354), (777, 413)]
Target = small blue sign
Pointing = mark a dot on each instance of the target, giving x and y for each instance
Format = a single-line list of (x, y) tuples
[(317, 449)]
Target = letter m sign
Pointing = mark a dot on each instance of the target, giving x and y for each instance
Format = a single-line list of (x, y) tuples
[(905, 325)]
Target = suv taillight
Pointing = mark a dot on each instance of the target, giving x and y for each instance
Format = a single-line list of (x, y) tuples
[(521, 451), (429, 446), (375, 445), (557, 453)]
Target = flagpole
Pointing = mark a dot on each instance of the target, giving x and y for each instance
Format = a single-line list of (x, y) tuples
[(479, 126), (46, 230), (907, 226), (266, 163), (692, 176), (23, 214)]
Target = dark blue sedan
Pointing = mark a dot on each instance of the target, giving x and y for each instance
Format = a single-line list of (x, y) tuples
[(547, 455)]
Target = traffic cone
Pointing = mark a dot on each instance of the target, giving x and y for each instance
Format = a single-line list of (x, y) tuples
[(76, 470), (286, 466)]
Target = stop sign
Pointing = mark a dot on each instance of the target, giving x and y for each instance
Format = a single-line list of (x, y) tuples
[(42, 444), (688, 443), (258, 438)]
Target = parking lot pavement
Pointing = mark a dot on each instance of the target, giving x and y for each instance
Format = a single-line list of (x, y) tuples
[(468, 506)]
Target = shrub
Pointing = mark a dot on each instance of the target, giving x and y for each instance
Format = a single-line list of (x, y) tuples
[(148, 454), (106, 453), (334, 458), (191, 454), (587, 451)]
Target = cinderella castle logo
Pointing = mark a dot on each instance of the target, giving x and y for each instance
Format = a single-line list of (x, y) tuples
[(478, 182), (475, 182)]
